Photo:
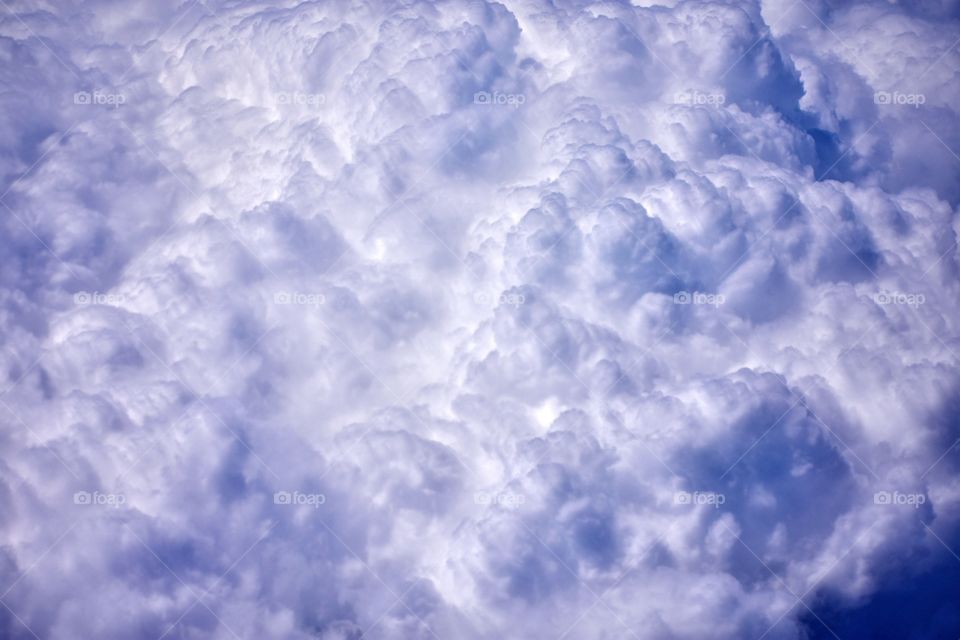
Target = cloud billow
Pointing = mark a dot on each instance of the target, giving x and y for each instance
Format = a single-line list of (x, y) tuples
[(465, 319)]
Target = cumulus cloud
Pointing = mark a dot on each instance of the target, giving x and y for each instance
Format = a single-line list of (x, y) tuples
[(465, 319)]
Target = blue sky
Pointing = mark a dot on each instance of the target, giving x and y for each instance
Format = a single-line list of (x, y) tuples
[(468, 319)]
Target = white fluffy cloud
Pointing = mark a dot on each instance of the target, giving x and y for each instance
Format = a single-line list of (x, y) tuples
[(467, 319)]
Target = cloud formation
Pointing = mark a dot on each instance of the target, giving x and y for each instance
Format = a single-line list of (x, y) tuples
[(465, 319)]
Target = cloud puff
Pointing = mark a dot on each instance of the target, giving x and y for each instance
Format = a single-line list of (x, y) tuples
[(462, 319)]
